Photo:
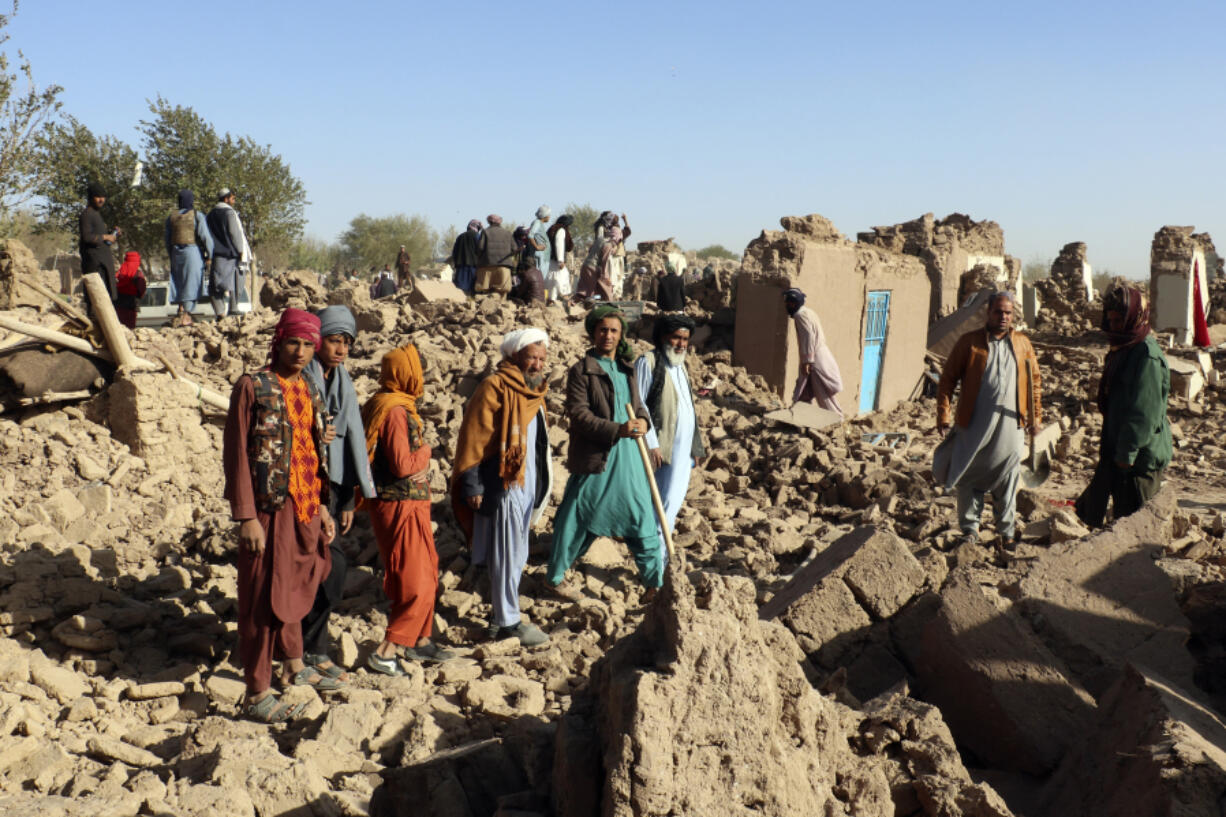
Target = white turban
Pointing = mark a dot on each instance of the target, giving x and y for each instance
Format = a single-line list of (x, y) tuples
[(543, 211), (514, 342)]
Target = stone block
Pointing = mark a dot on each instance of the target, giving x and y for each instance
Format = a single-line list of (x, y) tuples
[(1156, 747), (62, 684), (226, 689), (347, 726), (63, 508), (1006, 697), (96, 499), (425, 292), (1102, 601)]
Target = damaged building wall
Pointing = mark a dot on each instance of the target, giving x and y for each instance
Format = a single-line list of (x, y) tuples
[(1174, 257), (837, 275), (950, 248)]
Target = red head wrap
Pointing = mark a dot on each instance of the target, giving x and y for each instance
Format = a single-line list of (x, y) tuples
[(295, 323)]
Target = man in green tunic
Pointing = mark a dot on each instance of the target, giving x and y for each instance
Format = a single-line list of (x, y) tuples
[(608, 493), (1136, 443)]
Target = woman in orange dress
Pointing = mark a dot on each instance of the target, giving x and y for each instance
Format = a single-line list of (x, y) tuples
[(400, 513)]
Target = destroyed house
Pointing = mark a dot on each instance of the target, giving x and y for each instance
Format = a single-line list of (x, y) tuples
[(873, 305)]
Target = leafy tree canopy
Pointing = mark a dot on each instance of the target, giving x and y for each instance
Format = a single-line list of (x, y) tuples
[(371, 241), (25, 115)]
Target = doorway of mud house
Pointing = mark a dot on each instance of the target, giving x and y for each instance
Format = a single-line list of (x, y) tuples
[(877, 323)]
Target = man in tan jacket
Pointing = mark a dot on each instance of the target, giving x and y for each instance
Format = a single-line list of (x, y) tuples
[(999, 397)]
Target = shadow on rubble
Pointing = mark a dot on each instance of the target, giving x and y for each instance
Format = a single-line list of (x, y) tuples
[(507, 773), (77, 608), (1030, 675)]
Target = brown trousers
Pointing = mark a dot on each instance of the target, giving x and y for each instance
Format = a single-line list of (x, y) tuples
[(493, 279)]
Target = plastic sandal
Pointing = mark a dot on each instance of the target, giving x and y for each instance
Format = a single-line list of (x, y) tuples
[(387, 666), (309, 676), (334, 671), (427, 652), (270, 709)]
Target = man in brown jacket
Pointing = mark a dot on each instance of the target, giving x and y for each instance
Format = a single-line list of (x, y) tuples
[(999, 398), (608, 493)]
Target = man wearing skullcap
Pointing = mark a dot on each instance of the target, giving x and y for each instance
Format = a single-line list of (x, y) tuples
[(673, 440), (276, 469), (1136, 437), (348, 468), (503, 475), (496, 257), (94, 242), (998, 400), (231, 255), (819, 380), (400, 513), (607, 493)]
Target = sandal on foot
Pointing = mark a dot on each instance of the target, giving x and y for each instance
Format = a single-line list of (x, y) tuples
[(429, 652), (311, 677), (270, 709), (387, 666), (326, 665)]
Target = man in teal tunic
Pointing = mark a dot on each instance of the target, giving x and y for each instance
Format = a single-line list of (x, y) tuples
[(608, 493)]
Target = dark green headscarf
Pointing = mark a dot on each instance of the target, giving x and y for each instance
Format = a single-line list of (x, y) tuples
[(624, 352)]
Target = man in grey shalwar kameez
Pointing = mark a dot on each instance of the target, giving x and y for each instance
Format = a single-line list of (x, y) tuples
[(503, 476), (999, 398)]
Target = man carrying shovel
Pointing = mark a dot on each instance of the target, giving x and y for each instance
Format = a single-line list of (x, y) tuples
[(999, 374)]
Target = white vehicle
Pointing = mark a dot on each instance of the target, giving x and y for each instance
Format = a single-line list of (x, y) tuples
[(156, 311)]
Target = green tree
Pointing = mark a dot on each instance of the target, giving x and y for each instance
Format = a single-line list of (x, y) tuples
[(310, 252), (718, 251), (25, 115), (446, 241), (182, 150), (1037, 268), (73, 157), (371, 241)]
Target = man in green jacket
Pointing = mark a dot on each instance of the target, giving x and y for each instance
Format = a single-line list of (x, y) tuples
[(1136, 442)]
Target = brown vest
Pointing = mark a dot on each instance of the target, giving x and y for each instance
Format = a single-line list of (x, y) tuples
[(183, 227)]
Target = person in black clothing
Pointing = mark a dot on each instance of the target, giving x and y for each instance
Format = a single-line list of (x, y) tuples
[(464, 257), (670, 291), (95, 241)]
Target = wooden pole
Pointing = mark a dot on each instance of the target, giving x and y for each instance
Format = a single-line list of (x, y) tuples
[(108, 321), (68, 309), (655, 490), (205, 395)]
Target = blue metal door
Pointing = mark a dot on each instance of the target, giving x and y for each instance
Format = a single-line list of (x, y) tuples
[(876, 327)]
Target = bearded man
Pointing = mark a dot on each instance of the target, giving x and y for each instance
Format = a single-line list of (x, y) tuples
[(673, 440), (503, 475)]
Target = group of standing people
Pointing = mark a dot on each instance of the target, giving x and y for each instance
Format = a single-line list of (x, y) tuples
[(534, 263), (300, 455), (196, 242), (999, 402)]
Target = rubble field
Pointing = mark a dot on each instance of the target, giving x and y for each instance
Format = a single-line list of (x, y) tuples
[(822, 644)]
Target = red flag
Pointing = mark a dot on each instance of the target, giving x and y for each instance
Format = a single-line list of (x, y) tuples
[(1200, 327)]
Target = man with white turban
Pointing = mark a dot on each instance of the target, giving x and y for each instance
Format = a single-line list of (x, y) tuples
[(503, 475), (538, 237)]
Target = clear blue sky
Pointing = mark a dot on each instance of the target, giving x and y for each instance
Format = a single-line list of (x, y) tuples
[(1063, 121)]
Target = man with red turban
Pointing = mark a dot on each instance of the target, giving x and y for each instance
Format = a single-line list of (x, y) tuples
[(277, 481)]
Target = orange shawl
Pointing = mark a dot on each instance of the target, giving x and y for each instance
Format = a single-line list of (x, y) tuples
[(495, 423), (400, 384)]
